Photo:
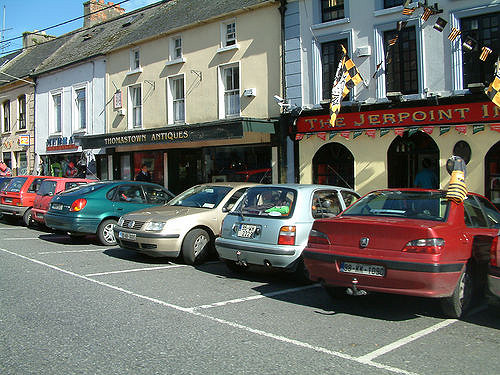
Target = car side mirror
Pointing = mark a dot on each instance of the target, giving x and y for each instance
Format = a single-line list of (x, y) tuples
[(49, 194)]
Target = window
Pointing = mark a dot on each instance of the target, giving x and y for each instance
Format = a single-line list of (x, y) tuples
[(392, 3), (485, 30), (81, 112), (21, 104), (473, 215), (176, 52), (56, 113), (332, 10), (6, 116), (331, 53), (176, 105), (401, 63), (231, 88), (135, 107), (325, 204), (130, 194), (156, 195), (135, 60), (229, 34)]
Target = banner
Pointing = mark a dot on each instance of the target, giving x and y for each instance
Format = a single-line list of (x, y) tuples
[(444, 130), (477, 129), (371, 133), (399, 131), (462, 129)]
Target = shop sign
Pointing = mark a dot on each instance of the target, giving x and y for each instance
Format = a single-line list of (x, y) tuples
[(403, 117), (61, 144), (24, 140), (117, 100)]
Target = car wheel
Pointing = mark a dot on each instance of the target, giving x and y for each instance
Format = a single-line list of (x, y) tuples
[(235, 267), (105, 232), (457, 304), (195, 246), (27, 217)]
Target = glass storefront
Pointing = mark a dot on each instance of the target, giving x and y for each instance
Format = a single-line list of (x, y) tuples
[(22, 163), (67, 165)]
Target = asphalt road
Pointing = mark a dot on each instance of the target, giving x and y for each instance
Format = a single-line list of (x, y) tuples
[(80, 308)]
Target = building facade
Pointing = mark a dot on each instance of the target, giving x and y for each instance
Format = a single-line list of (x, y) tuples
[(422, 95)]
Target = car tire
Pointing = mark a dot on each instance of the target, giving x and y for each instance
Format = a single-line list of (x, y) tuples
[(27, 217), (235, 267), (457, 304), (105, 232), (195, 246)]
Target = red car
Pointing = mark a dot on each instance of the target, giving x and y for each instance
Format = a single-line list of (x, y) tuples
[(409, 241), (494, 267), (47, 190), (17, 199)]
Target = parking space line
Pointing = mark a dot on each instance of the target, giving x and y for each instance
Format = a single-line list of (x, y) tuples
[(71, 251), (137, 270), (252, 298), (20, 238), (405, 340), (218, 320)]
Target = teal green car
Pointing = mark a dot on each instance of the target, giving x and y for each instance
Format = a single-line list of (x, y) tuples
[(95, 208)]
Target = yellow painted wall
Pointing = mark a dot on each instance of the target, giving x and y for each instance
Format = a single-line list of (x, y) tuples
[(258, 55)]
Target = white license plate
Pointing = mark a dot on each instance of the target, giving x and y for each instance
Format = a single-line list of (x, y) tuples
[(246, 230), (57, 206), (7, 200), (362, 269), (127, 236)]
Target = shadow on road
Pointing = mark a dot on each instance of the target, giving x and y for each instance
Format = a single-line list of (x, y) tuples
[(133, 256)]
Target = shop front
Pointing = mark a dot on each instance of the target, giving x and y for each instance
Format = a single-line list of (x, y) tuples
[(383, 148), (17, 153), (183, 156)]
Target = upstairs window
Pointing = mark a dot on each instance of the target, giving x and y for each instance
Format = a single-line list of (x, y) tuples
[(331, 53), (6, 116), (176, 48), (228, 30), (135, 60), (176, 105), (332, 10), (392, 3), (21, 104), (81, 111), (135, 107), (231, 87), (56, 113)]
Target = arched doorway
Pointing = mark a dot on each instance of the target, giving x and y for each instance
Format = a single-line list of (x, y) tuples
[(405, 158), (492, 173), (333, 164)]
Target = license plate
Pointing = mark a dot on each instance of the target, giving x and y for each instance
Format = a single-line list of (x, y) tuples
[(57, 206), (362, 269), (127, 236), (246, 230), (7, 200)]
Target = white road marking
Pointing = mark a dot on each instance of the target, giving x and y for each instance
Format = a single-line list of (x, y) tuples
[(137, 270), (405, 340), (20, 238), (252, 298), (71, 251), (283, 339)]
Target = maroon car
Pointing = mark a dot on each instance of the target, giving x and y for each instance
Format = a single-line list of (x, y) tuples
[(409, 241)]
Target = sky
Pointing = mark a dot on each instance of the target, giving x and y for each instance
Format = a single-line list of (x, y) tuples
[(30, 15)]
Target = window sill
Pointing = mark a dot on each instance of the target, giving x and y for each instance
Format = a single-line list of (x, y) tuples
[(80, 132), (229, 48), (135, 71), (55, 135), (182, 60), (328, 24)]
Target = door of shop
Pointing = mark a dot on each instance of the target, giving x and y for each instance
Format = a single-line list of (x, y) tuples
[(184, 169)]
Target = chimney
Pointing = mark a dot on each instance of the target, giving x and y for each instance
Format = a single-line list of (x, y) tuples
[(105, 11), (30, 38)]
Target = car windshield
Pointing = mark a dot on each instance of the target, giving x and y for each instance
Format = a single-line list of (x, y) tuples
[(205, 196), (85, 189), (16, 184), (47, 187), (423, 205), (267, 201)]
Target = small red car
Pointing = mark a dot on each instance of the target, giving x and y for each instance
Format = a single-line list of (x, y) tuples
[(17, 199), (408, 241), (494, 267), (48, 189)]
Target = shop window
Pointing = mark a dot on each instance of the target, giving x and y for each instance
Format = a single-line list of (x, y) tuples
[(392, 3), (22, 163), (230, 91), (401, 64), (492, 173), (6, 116), (332, 10), (135, 107), (153, 160), (56, 118), (331, 53), (81, 109), (333, 164), (176, 101), (485, 30), (21, 104)]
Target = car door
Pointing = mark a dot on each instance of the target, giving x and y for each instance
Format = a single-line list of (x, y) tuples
[(128, 198)]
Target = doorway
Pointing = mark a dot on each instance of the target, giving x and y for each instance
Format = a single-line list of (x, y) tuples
[(333, 164), (184, 169)]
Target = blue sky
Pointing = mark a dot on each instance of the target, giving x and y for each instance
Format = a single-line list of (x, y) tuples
[(30, 15)]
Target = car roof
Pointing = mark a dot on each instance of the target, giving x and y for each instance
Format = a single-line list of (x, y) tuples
[(307, 186), (231, 184)]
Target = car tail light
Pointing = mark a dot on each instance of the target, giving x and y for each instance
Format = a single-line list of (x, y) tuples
[(317, 237), (425, 246), (287, 235), (495, 252), (78, 205)]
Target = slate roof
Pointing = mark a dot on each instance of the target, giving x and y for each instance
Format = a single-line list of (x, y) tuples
[(133, 27)]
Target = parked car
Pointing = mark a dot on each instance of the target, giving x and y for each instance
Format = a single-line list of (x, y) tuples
[(494, 267), (16, 201), (187, 225), (4, 182), (96, 207), (409, 241), (46, 192), (271, 224)]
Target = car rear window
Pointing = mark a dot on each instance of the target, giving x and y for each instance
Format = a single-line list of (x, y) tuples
[(274, 202), (204, 196), (82, 190), (47, 187), (71, 185), (410, 205), (16, 184)]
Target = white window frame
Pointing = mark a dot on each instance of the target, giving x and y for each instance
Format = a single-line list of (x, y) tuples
[(25, 112), (172, 58), (170, 99), (222, 90), (52, 122), (224, 46), (76, 113), (8, 117), (133, 68), (130, 106)]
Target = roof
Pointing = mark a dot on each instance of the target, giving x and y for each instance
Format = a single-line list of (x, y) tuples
[(139, 25)]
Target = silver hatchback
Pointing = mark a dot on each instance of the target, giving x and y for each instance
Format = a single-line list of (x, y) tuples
[(270, 224)]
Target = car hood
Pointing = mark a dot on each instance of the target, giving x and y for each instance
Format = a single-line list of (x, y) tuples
[(163, 213)]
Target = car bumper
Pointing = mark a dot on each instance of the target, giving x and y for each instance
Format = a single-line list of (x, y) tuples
[(7, 209), (38, 215), (281, 256), (408, 278), (71, 224), (152, 244), (494, 280)]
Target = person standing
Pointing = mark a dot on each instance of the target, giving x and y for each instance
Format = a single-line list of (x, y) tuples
[(426, 178), (143, 174)]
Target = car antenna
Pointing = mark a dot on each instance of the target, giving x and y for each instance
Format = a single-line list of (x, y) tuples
[(265, 175)]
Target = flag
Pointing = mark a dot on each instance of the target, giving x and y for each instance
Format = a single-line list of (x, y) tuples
[(401, 25), (457, 190), (493, 91), (376, 69), (469, 44), (485, 51), (454, 34), (440, 24), (346, 78), (394, 40), (427, 13), (408, 11)]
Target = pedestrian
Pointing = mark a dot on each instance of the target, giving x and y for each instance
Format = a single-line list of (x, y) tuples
[(71, 171), (143, 174), (426, 178)]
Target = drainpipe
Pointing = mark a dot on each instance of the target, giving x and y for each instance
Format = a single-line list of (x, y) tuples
[(283, 123)]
